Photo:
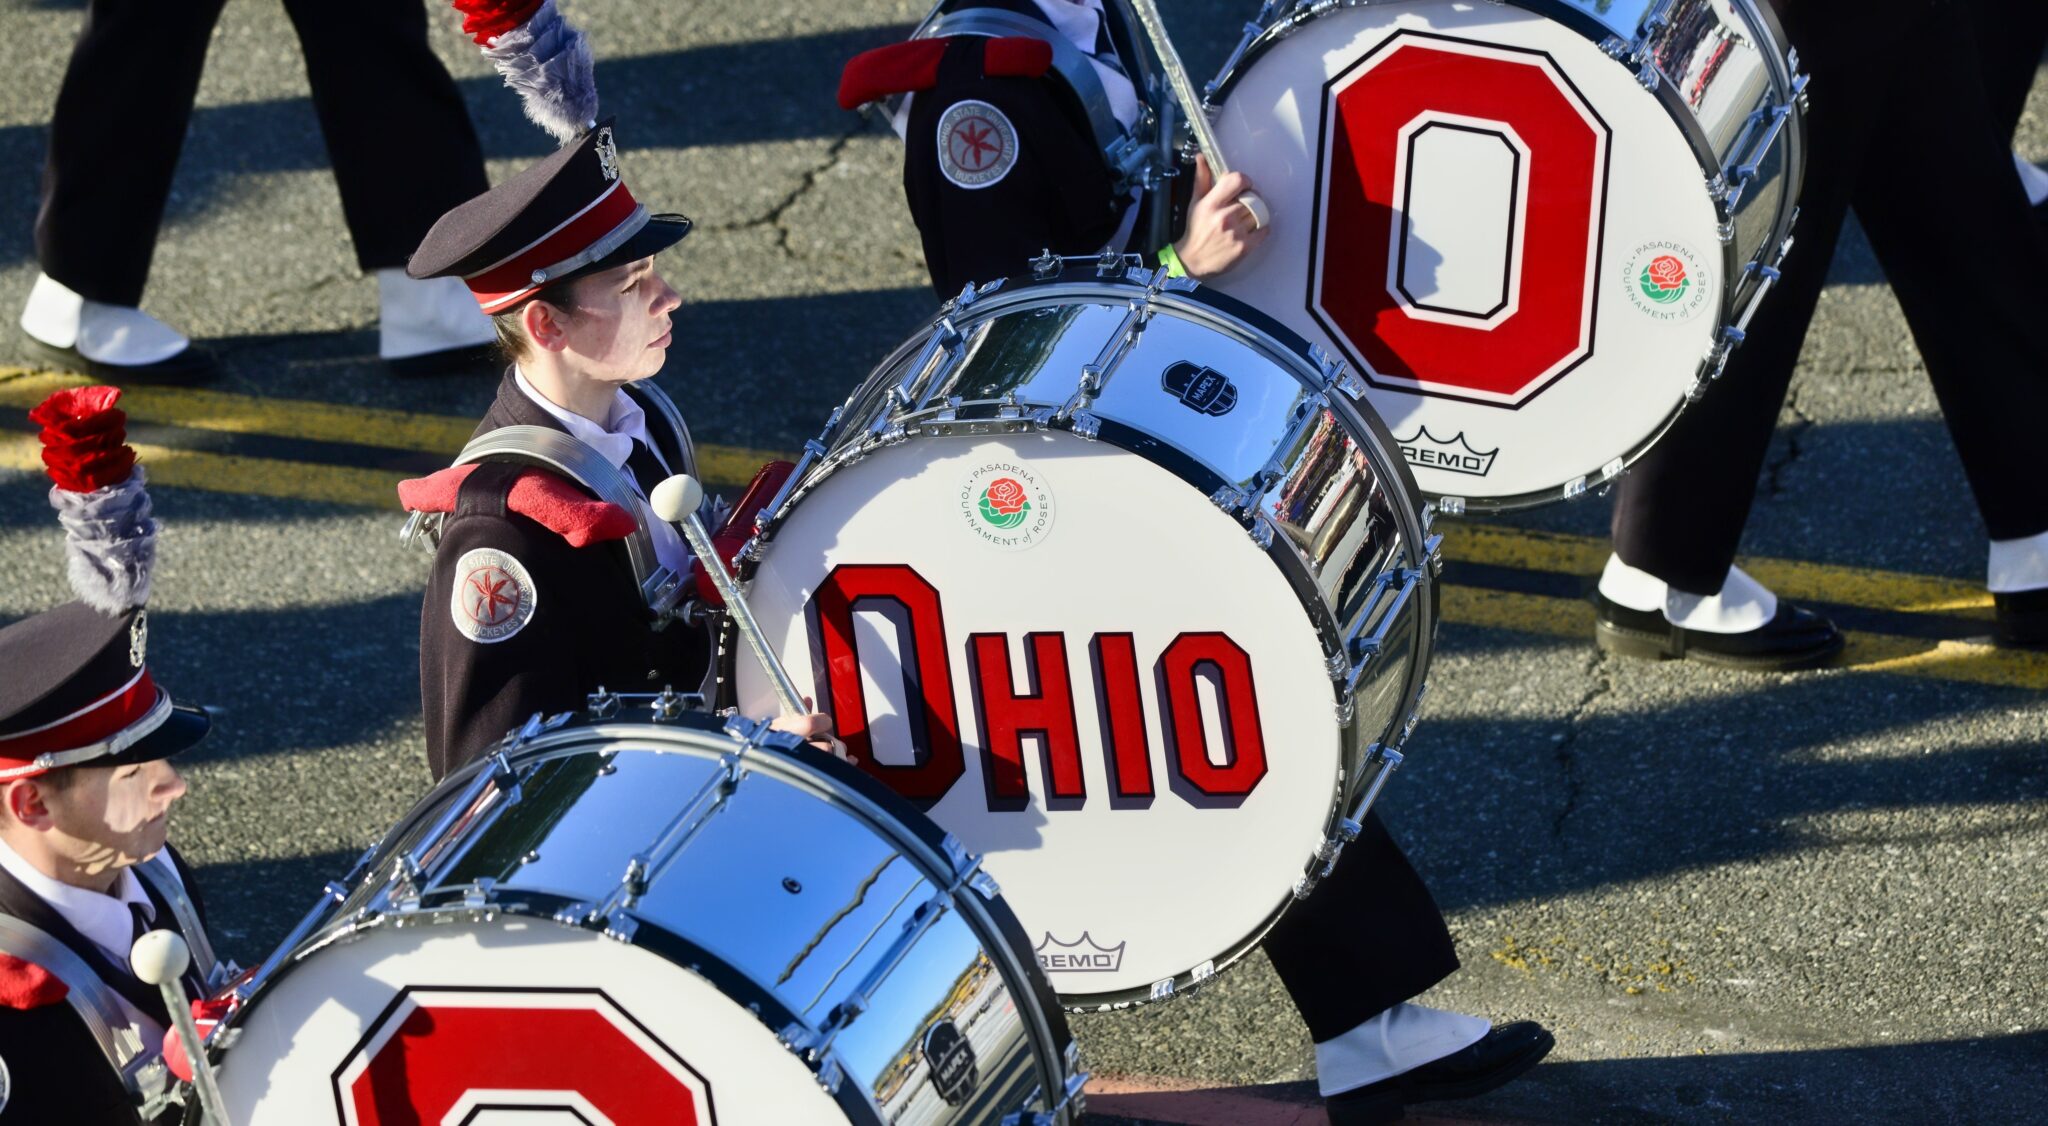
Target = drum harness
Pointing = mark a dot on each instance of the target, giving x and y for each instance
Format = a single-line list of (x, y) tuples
[(662, 589), (147, 1078)]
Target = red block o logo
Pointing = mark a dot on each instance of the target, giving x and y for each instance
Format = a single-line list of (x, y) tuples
[(1509, 142), (453, 1055)]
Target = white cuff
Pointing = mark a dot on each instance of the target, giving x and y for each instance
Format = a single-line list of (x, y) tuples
[(1401, 1039), (1743, 604), (2018, 565), (1631, 587)]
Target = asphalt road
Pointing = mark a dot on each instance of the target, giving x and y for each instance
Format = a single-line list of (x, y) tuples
[(1811, 897)]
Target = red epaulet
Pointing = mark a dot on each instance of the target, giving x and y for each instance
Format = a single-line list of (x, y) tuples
[(905, 68), (25, 985), (536, 494)]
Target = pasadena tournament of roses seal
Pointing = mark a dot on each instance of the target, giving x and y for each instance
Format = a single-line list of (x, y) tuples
[(1005, 503)]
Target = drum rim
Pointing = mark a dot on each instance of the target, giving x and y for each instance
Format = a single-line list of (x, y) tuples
[(1282, 346), (569, 734), (1742, 279)]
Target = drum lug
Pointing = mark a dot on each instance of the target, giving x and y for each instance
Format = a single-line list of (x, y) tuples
[(1574, 488), (1161, 989), (601, 704), (1261, 531), (1450, 506), (1085, 425)]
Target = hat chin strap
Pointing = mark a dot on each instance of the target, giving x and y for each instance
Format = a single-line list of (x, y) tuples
[(613, 240), (112, 745)]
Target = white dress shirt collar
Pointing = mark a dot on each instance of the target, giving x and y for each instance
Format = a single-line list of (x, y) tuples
[(102, 918), (612, 438)]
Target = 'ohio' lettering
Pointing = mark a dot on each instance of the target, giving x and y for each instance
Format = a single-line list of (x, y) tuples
[(1041, 706)]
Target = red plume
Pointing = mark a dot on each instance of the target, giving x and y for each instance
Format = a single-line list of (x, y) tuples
[(485, 20), (84, 438)]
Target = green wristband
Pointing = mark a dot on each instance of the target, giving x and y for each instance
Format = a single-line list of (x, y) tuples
[(1170, 260)]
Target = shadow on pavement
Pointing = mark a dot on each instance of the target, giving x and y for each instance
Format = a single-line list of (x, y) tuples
[(1991, 1080)]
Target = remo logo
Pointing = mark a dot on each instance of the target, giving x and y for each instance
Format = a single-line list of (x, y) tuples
[(1203, 683)]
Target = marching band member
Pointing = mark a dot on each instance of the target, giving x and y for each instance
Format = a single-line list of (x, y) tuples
[(1005, 160), (121, 118), (532, 605), (1972, 293), (85, 789), (1001, 161)]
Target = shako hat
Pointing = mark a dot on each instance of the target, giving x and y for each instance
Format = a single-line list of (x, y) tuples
[(569, 215), (75, 686)]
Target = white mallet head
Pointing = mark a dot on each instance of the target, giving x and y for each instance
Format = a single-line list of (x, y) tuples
[(159, 957), (676, 498)]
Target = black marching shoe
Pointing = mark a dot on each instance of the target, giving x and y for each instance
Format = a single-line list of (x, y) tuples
[(195, 364), (2022, 618), (1794, 639), (1499, 1056)]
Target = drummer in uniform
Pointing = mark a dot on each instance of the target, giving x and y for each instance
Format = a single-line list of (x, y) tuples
[(85, 789), (1008, 130), (1002, 159), (535, 602)]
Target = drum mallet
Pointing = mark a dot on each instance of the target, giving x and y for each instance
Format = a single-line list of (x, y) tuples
[(160, 958), (676, 500), (1198, 121)]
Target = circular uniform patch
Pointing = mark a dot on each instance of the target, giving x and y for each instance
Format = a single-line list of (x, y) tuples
[(977, 144), (494, 596)]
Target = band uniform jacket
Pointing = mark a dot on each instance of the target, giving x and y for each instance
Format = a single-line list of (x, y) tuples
[(55, 1071), (990, 189), (573, 618)]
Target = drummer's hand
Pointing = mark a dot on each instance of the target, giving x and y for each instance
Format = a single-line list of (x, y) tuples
[(815, 728), (1220, 230)]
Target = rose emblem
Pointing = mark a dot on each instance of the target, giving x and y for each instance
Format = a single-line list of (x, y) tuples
[(1664, 280), (1003, 503)]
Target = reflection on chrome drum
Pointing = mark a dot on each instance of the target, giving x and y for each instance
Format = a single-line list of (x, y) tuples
[(1120, 582), (1534, 227), (639, 915)]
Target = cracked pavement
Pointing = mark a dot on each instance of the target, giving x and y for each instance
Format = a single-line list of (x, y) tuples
[(1811, 897)]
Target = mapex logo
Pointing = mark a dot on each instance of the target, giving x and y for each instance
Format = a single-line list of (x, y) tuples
[(1201, 389), (1455, 456), (1083, 955)]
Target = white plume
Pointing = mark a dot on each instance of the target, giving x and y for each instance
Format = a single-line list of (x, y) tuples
[(547, 60), (109, 543)]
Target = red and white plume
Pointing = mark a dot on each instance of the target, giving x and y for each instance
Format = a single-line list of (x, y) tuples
[(99, 495), (541, 55)]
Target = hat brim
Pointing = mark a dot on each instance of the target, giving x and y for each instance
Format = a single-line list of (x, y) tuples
[(660, 233), (184, 727)]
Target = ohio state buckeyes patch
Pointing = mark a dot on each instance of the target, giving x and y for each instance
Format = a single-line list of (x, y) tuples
[(494, 596), (977, 144)]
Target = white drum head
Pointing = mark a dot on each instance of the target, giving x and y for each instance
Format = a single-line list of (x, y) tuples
[(1148, 848), (1504, 234), (453, 1024)]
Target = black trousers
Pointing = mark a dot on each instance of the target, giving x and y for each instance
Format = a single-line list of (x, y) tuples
[(1911, 123), (397, 131), (1368, 938)]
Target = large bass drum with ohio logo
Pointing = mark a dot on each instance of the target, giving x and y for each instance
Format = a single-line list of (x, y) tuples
[(636, 916), (1534, 227), (1118, 582)]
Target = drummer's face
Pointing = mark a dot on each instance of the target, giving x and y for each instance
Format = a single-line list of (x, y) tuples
[(619, 330)]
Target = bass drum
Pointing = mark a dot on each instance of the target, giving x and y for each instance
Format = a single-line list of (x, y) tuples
[(639, 916), (1103, 571), (1534, 228)]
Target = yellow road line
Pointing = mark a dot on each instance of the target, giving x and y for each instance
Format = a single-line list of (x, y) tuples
[(1969, 661), (23, 388), (247, 476), (1794, 579), (248, 414)]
